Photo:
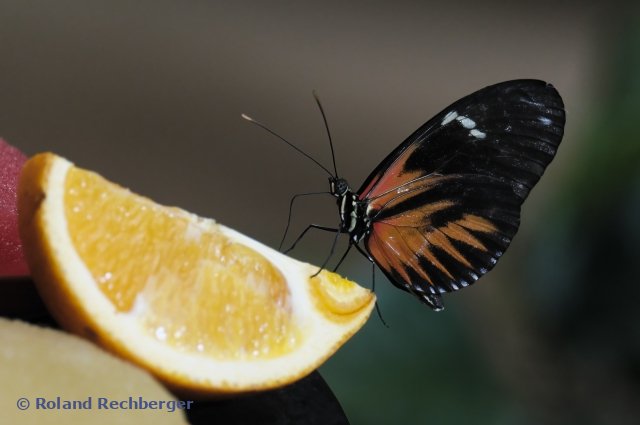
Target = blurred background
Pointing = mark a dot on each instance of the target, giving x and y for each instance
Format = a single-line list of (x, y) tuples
[(149, 94)]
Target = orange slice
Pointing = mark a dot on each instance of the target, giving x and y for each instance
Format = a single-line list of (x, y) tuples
[(203, 307)]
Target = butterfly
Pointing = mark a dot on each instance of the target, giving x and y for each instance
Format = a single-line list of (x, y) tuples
[(440, 210)]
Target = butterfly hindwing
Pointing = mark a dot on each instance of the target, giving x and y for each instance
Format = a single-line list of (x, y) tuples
[(445, 204)]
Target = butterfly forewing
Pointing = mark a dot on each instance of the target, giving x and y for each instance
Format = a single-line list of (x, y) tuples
[(445, 204)]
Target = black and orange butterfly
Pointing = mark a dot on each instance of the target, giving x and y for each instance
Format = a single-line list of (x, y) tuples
[(440, 209)]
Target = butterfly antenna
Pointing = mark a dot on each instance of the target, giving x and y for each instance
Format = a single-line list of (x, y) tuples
[(326, 125), (259, 124)]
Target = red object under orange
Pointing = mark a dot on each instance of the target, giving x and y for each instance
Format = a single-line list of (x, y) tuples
[(12, 261)]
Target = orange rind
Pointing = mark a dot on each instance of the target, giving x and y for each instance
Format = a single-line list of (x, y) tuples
[(204, 308)]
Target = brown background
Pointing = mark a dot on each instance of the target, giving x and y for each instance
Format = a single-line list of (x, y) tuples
[(149, 94)]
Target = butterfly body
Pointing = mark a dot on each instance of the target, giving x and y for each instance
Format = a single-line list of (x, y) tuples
[(353, 212)]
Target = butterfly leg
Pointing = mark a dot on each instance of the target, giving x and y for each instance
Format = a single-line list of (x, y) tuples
[(286, 230), (373, 267), (309, 227), (343, 257), (373, 281), (333, 249)]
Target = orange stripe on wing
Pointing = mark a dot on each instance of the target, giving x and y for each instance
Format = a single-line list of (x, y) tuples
[(413, 184), (403, 246), (376, 252), (457, 232), (440, 240), (419, 243), (419, 217), (474, 222), (391, 257), (415, 245)]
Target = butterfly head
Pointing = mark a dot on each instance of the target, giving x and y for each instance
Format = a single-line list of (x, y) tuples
[(338, 186)]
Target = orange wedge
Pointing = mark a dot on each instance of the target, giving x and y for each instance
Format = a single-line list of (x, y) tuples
[(204, 308)]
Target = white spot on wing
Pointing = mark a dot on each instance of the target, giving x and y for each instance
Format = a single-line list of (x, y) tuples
[(466, 122), (544, 120), (449, 117), (477, 134)]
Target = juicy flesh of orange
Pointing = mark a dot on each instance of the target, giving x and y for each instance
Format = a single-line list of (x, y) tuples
[(339, 300), (187, 283)]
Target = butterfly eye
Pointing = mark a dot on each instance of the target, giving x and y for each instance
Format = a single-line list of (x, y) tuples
[(338, 186)]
